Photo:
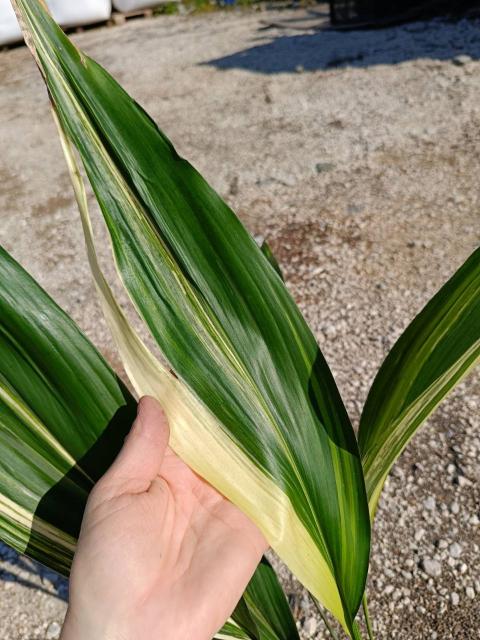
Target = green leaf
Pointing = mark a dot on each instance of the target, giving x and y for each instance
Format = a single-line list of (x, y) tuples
[(63, 417), (264, 611), (276, 438), (435, 352), (231, 630)]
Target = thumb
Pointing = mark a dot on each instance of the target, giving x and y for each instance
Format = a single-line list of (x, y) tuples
[(141, 457)]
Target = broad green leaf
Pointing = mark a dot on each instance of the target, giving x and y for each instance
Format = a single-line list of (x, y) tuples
[(274, 436), (63, 417), (263, 612), (435, 352)]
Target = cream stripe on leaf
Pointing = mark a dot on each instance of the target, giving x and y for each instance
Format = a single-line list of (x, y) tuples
[(231, 630), (227, 326), (435, 352)]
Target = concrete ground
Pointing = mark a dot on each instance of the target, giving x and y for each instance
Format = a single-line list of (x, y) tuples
[(357, 156)]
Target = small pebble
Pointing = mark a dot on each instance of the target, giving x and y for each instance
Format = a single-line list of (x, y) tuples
[(461, 61), (53, 631), (454, 599), (431, 567), (310, 626), (429, 503), (419, 533), (455, 508), (455, 550), (323, 167)]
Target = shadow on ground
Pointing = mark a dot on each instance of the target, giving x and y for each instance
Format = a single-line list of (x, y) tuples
[(31, 575), (325, 49)]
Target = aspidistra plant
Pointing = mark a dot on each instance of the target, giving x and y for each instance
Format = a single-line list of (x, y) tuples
[(253, 406), (253, 394)]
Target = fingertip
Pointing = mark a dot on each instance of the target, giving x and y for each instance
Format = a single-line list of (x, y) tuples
[(149, 401), (152, 419)]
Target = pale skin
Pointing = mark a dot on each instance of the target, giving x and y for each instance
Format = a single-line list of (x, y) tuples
[(161, 554)]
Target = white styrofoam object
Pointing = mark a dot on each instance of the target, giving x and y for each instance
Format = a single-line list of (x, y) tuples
[(9, 29), (131, 5), (68, 13), (72, 13)]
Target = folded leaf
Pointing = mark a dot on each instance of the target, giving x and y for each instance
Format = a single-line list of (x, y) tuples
[(278, 441), (435, 352), (63, 417)]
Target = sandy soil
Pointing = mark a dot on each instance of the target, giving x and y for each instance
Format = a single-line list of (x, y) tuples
[(357, 156)]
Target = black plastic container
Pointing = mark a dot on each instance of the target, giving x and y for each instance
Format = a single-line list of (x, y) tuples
[(378, 12)]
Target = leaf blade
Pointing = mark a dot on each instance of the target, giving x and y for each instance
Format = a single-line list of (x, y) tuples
[(436, 351), (57, 398), (273, 619), (187, 417)]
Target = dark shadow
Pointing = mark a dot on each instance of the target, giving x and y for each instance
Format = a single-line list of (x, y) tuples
[(73, 489), (51, 582), (60, 594), (327, 49), (378, 13)]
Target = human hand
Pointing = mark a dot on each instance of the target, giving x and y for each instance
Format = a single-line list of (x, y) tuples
[(161, 554)]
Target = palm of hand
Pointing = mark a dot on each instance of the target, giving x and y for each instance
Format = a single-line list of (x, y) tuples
[(161, 553)]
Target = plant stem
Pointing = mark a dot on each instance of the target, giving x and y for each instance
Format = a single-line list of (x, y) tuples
[(324, 618), (368, 622)]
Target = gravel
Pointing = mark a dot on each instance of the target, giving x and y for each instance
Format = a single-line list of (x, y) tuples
[(357, 157)]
